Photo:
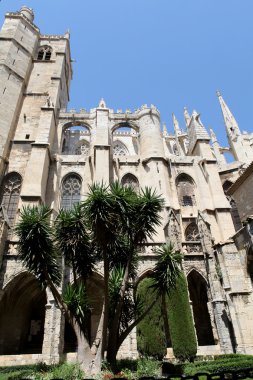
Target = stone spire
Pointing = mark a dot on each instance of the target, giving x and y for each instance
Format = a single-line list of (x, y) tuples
[(164, 130), (217, 149), (230, 123), (178, 133), (186, 117), (197, 133), (176, 125)]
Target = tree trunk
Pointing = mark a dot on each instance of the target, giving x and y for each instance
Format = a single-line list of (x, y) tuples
[(85, 358), (165, 320)]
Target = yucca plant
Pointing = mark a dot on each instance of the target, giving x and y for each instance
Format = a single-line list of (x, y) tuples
[(108, 226)]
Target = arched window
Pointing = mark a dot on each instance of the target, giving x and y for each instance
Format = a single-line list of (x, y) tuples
[(185, 190), (76, 140), (175, 150), (71, 191), (234, 210), (192, 232), (119, 149), (10, 195), (44, 53), (130, 180)]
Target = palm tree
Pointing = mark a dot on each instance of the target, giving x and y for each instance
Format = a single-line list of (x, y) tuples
[(108, 226)]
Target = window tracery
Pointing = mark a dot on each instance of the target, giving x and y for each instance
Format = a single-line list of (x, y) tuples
[(71, 191), (192, 232), (119, 149), (44, 53), (83, 149), (10, 195), (130, 180)]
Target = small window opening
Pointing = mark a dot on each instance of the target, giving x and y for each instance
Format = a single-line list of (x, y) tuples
[(48, 56), (40, 55), (187, 200), (4, 90), (27, 137)]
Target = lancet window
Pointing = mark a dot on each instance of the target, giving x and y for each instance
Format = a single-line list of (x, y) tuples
[(186, 190), (130, 180), (10, 195), (192, 232), (44, 53), (71, 191)]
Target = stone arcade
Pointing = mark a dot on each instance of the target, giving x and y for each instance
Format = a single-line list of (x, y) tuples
[(49, 155)]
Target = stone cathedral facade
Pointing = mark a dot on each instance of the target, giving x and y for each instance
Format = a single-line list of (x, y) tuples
[(49, 155)]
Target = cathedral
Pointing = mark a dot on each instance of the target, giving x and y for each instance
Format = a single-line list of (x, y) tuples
[(49, 155)]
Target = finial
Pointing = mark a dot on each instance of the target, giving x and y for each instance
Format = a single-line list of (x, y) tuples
[(176, 125), (164, 129), (186, 117), (67, 34), (218, 93), (102, 103)]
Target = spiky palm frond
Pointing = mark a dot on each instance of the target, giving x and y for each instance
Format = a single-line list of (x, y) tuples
[(146, 215), (75, 297), (167, 268), (73, 240), (128, 310), (99, 210), (36, 248)]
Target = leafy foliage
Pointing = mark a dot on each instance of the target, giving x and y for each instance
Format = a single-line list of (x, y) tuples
[(73, 241), (108, 226), (75, 297), (167, 268), (36, 247)]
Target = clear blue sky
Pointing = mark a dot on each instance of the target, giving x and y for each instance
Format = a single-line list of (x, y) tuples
[(171, 53)]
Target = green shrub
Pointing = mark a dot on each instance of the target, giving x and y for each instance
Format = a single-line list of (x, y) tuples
[(150, 331), (220, 364), (181, 324)]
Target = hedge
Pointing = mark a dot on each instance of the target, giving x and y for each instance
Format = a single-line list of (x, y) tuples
[(182, 332)]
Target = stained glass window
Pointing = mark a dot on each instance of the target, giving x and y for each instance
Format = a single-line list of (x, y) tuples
[(71, 191)]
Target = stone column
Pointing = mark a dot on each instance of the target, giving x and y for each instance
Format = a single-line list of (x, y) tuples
[(222, 322), (53, 332)]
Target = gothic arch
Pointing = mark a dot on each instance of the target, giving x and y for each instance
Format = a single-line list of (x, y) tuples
[(10, 195), (130, 179), (197, 286), (76, 123), (186, 190), (73, 135), (128, 124), (22, 315), (119, 148), (191, 232), (44, 53), (71, 186), (146, 273)]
